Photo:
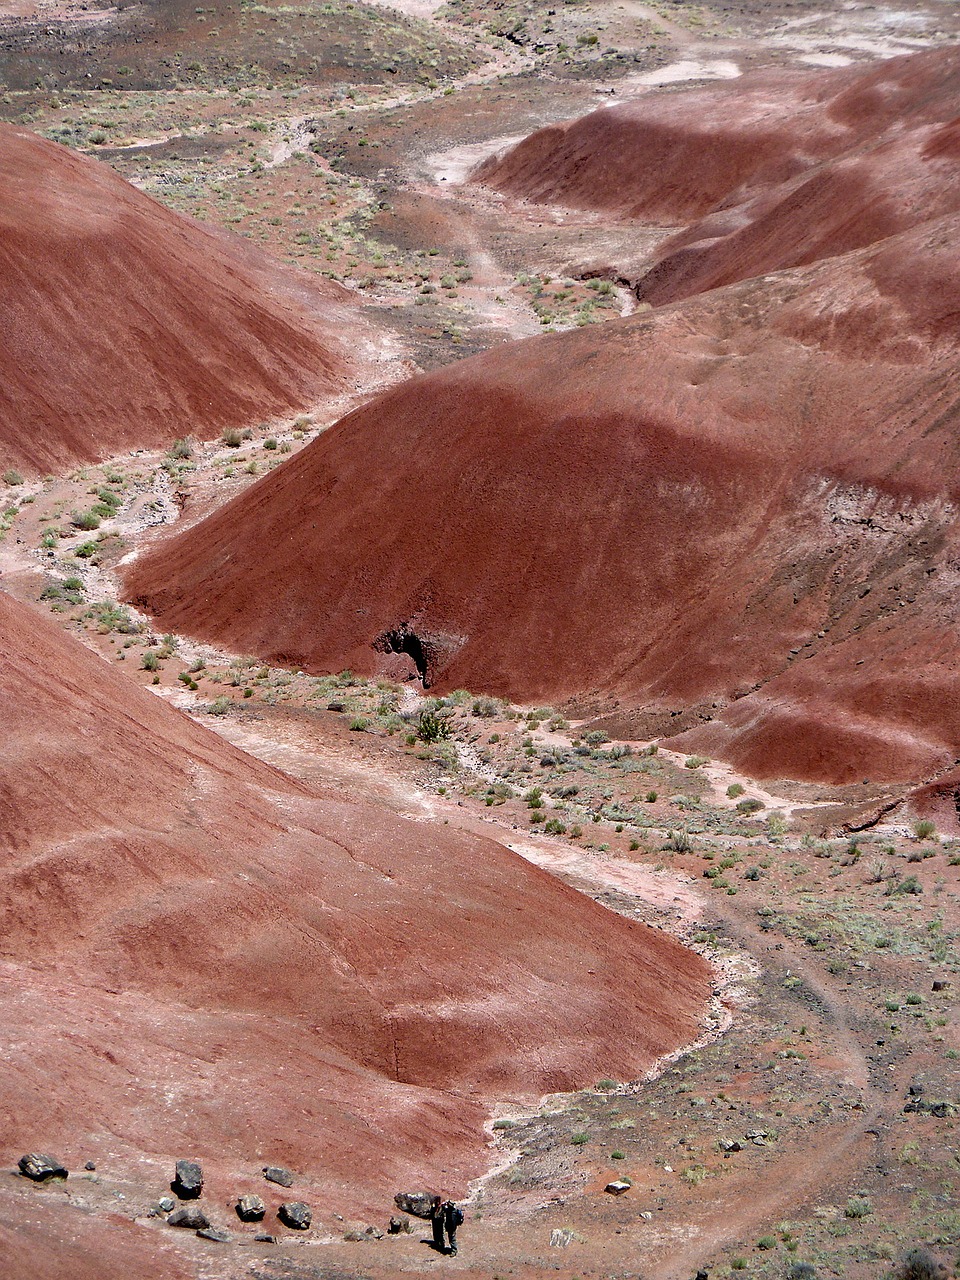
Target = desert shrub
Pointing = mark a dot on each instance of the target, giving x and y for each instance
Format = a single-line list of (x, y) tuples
[(735, 789), (910, 885), (231, 437), (634, 845), (767, 1242), (554, 827), (86, 520), (486, 708), (802, 1271), (595, 737), (576, 831), (358, 724), (181, 448), (750, 805), (651, 797), (924, 829), (432, 727), (12, 477), (150, 661), (752, 873), (87, 550), (579, 1139), (918, 1264), (617, 1155), (857, 1207), (271, 442), (219, 707), (694, 762), (678, 842)]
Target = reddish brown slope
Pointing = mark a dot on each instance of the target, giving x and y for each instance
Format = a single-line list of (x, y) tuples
[(776, 170), (743, 502), (203, 956), (127, 325)]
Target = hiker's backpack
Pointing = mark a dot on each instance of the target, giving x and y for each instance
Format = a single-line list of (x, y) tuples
[(457, 1215)]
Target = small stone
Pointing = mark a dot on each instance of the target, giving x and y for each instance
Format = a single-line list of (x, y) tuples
[(166, 1204), (40, 1168), (295, 1214), (941, 984), (617, 1188), (188, 1180), (190, 1216), (560, 1237), (756, 1133), (264, 1237), (282, 1177), (250, 1209), (215, 1233), (399, 1226), (354, 1236), (419, 1203), (728, 1145), (373, 1233), (334, 706), (646, 1215), (90, 1166)]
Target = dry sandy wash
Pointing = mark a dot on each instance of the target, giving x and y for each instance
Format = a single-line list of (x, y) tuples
[(127, 325), (731, 518), (201, 956)]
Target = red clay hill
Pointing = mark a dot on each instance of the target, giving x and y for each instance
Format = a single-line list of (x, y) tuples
[(779, 169), (127, 325), (734, 517), (201, 957)]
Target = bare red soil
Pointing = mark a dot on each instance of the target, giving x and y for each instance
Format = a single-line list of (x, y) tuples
[(127, 325), (733, 516), (777, 170), (254, 972)]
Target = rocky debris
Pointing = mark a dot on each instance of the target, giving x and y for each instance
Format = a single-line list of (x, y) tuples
[(250, 1208), (295, 1214), (419, 1203), (264, 1237), (215, 1233), (941, 984), (274, 1173), (354, 1237), (166, 1204), (399, 1225), (190, 1216), (941, 1109), (728, 1145), (188, 1180), (90, 1166), (40, 1168), (617, 1188), (758, 1137), (373, 1233), (646, 1215), (560, 1237)]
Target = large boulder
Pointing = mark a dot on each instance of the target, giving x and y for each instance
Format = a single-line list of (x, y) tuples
[(188, 1180), (419, 1203), (40, 1168)]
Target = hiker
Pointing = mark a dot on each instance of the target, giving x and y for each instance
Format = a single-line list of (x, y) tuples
[(445, 1216)]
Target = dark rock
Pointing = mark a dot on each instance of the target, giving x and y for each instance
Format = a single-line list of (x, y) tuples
[(941, 984), (188, 1182), (334, 706), (617, 1188), (373, 1233), (190, 1216), (399, 1226), (250, 1209), (40, 1168), (90, 1166), (295, 1214), (729, 1145), (215, 1233), (915, 1091), (264, 1237), (419, 1203), (282, 1177)]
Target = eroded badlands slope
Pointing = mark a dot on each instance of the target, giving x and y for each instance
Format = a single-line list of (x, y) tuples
[(735, 515), (200, 956), (779, 169), (126, 325)]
